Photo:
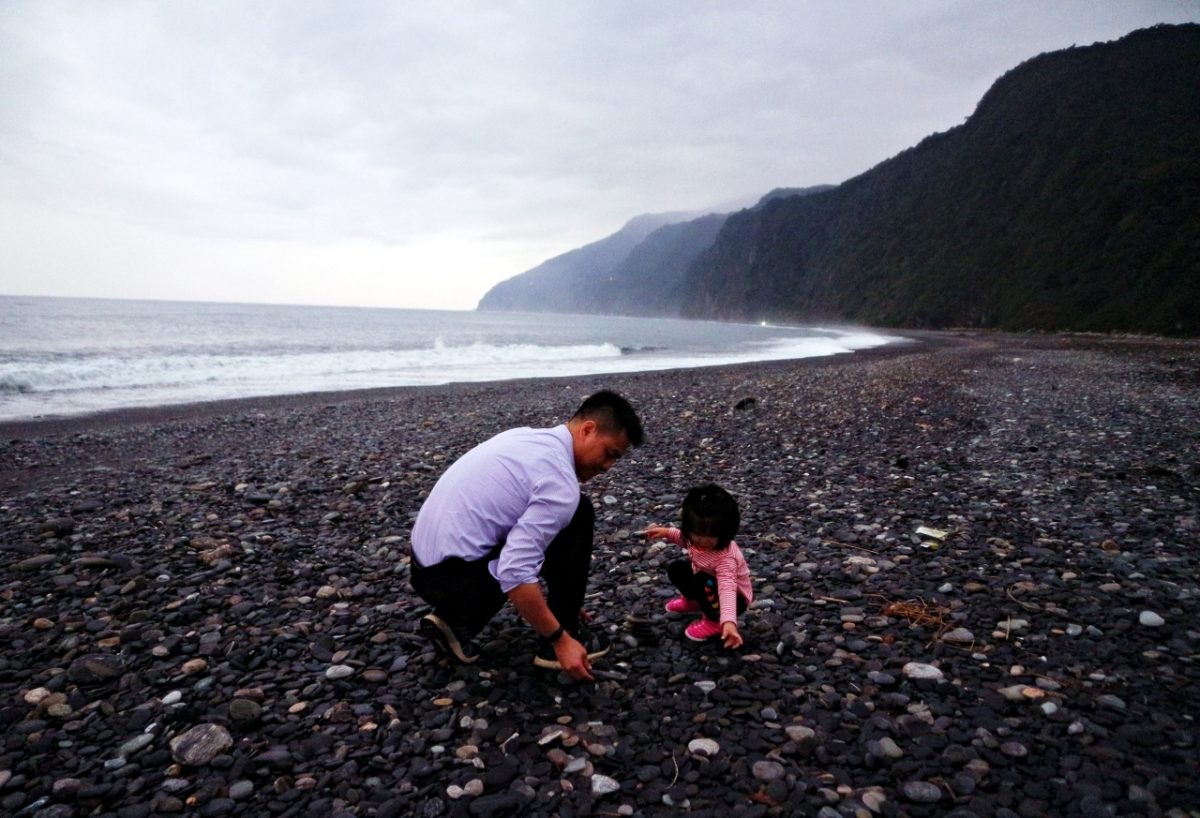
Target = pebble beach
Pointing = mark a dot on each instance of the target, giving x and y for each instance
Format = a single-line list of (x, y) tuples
[(976, 565)]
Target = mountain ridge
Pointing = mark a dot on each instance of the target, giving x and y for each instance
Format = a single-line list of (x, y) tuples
[(1066, 201)]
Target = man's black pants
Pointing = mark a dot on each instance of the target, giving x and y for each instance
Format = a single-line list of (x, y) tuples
[(466, 596)]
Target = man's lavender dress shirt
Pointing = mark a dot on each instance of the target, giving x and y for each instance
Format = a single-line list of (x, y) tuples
[(518, 488)]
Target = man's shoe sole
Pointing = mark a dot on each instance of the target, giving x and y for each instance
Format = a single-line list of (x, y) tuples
[(435, 629), (554, 664)]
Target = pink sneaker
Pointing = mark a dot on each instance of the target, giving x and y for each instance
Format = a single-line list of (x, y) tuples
[(682, 605), (702, 629)]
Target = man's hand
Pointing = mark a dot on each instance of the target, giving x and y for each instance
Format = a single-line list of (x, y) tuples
[(572, 655), (730, 636)]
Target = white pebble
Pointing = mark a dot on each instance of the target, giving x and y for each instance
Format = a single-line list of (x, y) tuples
[(918, 670), (1150, 619), (603, 785), (704, 746), (339, 672), (959, 635)]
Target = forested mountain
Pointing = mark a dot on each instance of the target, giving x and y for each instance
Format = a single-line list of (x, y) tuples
[(1070, 199)]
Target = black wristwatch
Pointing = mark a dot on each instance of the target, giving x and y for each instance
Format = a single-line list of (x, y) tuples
[(554, 637)]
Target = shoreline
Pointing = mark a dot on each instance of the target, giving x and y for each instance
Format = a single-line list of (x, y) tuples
[(54, 425)]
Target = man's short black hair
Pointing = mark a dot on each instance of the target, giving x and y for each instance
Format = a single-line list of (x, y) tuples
[(612, 413), (710, 511)]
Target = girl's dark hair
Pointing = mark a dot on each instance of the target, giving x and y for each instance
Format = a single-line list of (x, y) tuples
[(710, 511)]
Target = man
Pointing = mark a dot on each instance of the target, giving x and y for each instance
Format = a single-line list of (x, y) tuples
[(508, 514)]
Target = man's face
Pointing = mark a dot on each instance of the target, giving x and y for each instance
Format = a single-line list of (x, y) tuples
[(596, 451)]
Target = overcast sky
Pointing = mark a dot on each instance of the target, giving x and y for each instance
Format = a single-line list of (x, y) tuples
[(414, 154)]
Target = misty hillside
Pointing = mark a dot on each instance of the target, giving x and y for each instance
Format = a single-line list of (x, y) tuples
[(1068, 200), (639, 270), (568, 283)]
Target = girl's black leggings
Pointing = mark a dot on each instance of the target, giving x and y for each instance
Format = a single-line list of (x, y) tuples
[(700, 587)]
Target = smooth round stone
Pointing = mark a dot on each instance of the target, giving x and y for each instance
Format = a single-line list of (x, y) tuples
[(201, 744), (339, 672), (1074, 629), (193, 666), (1150, 619), (704, 746), (95, 668), (59, 710), (766, 770), (1014, 749), (885, 747), (873, 800), (37, 696), (919, 670), (1013, 693), (134, 744), (174, 697), (245, 710), (706, 686), (799, 733), (963, 784), (241, 789), (375, 675), (922, 792), (603, 785), (959, 636)]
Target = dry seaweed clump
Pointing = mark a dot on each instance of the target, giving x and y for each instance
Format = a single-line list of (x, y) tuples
[(919, 613)]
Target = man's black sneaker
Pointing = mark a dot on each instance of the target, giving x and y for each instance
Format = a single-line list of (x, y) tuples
[(443, 637), (596, 643)]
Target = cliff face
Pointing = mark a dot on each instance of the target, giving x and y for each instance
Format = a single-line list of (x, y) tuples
[(1068, 200)]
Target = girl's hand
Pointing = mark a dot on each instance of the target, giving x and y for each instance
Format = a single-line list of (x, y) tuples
[(657, 532), (730, 635)]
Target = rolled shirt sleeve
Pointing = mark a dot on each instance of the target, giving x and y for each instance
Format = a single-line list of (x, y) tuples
[(551, 508)]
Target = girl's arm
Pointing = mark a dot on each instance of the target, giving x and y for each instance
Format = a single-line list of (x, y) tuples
[(730, 635), (662, 532)]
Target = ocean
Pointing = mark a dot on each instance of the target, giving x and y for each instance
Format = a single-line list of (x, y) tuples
[(72, 356)]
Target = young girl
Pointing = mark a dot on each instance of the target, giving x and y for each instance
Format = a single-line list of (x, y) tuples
[(714, 581)]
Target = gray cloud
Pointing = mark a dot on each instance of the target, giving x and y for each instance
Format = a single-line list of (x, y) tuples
[(469, 141)]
